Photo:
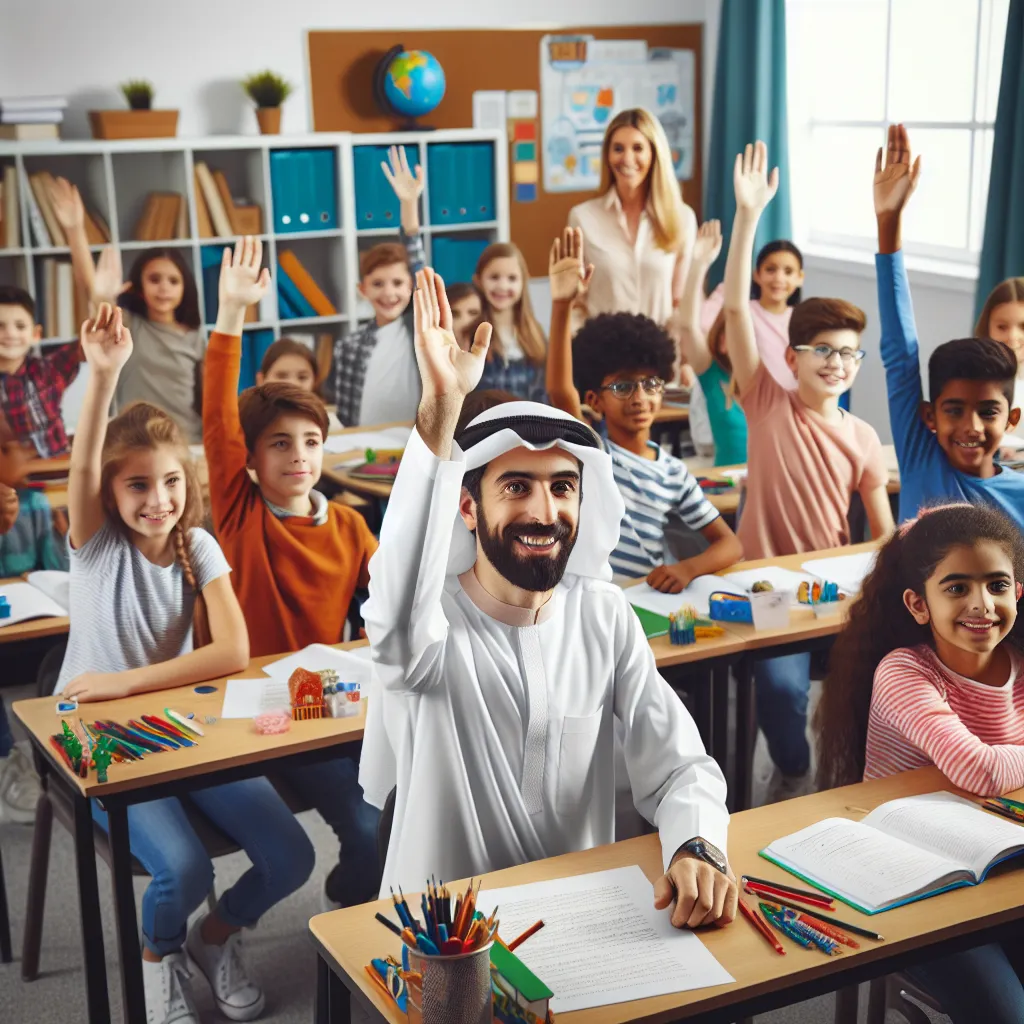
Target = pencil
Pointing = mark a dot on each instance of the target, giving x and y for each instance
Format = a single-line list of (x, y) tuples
[(786, 888), (1014, 805), (532, 930), (996, 809), (769, 891), (761, 927), (388, 924), (1004, 806), (855, 929)]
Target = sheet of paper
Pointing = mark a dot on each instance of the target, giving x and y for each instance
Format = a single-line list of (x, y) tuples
[(779, 578), (389, 437), (29, 603), (489, 109), (522, 103), (602, 941), (351, 666), (846, 570), (643, 595), (54, 583), (247, 698)]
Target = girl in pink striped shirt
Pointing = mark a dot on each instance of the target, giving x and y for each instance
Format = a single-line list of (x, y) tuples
[(937, 630)]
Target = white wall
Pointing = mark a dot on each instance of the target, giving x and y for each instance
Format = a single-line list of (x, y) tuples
[(195, 51)]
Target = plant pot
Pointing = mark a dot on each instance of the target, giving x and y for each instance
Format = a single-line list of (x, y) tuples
[(133, 124), (269, 119)]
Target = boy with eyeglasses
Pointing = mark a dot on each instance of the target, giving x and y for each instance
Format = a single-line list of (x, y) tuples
[(807, 457), (619, 363), (947, 445)]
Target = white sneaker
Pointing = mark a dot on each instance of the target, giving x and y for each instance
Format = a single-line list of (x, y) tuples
[(237, 996), (19, 788), (168, 989)]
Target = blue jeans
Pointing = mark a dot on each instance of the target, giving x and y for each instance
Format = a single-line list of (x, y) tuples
[(6, 736), (332, 787), (976, 985), (163, 841), (783, 686)]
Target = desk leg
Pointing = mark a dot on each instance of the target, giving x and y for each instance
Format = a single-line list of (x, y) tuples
[(746, 735), (132, 995), (333, 1003), (89, 909), (5, 921)]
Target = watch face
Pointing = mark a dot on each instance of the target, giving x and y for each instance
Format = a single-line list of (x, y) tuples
[(709, 854)]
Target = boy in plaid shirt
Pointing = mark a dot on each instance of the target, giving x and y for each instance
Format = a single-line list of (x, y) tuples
[(32, 384)]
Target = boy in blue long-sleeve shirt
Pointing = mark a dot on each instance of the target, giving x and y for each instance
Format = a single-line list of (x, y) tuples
[(945, 446)]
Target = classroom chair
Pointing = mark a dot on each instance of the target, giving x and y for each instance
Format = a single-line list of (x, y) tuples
[(54, 802), (891, 993)]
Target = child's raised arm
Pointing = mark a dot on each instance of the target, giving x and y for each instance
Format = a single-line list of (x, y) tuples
[(685, 324), (568, 276), (106, 345), (407, 185), (70, 212), (754, 191), (893, 186)]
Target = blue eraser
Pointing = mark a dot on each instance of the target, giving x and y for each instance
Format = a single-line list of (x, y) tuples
[(5, 607)]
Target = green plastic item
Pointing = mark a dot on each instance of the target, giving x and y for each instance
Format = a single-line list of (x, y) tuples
[(653, 623), (102, 755), (73, 746), (529, 987)]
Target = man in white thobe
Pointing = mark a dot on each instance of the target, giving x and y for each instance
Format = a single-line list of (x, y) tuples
[(504, 654)]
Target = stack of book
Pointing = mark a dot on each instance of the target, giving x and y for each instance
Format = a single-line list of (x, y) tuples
[(218, 214), (46, 228), (27, 118)]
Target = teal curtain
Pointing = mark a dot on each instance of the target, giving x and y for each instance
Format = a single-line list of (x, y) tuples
[(749, 104), (1002, 252)]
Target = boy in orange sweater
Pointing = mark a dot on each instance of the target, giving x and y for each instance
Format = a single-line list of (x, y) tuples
[(296, 558)]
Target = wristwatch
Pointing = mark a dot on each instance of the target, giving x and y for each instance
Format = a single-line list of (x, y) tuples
[(705, 851)]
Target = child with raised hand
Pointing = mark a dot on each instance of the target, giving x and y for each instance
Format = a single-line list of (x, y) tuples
[(807, 457), (937, 630), (618, 363), (518, 350), (1002, 319), (161, 309), (706, 353), (298, 559), (374, 375), (140, 562), (946, 446)]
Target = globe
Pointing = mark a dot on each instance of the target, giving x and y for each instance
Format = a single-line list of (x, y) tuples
[(413, 83)]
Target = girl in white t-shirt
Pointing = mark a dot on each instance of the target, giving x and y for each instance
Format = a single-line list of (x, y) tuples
[(152, 607)]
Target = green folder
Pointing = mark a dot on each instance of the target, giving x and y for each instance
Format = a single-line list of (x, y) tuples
[(653, 623), (529, 987)]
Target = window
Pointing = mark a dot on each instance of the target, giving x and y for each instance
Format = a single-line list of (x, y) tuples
[(856, 66)]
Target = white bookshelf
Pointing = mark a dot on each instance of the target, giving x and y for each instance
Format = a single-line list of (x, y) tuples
[(116, 177)]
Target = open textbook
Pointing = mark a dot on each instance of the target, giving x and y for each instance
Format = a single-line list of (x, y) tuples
[(44, 595), (904, 850)]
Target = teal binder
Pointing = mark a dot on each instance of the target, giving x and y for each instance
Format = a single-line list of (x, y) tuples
[(293, 297), (303, 190)]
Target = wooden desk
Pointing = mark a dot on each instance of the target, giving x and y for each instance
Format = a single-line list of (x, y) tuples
[(337, 466), (229, 751), (31, 629), (346, 940)]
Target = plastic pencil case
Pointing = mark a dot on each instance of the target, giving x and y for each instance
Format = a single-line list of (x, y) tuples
[(725, 607)]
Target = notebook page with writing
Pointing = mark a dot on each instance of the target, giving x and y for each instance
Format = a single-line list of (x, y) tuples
[(952, 827), (868, 869)]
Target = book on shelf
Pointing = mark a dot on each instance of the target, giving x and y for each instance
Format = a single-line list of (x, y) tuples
[(48, 306), (181, 223), (224, 191), (310, 290), (42, 182), (53, 117), (203, 221), (294, 305), (12, 211), (96, 230), (218, 212), (65, 301), (28, 106), (22, 132), (247, 219), (904, 850), (35, 218), (160, 218)]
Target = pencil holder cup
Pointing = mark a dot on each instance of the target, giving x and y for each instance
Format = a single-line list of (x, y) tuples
[(455, 989), (770, 609)]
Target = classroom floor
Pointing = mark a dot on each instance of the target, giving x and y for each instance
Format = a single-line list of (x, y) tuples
[(278, 951)]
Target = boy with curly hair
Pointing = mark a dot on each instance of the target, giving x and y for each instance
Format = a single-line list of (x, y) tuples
[(619, 364)]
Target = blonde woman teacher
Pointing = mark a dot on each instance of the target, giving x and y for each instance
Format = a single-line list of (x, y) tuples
[(639, 233)]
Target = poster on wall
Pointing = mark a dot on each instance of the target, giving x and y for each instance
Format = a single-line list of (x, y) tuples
[(585, 82)]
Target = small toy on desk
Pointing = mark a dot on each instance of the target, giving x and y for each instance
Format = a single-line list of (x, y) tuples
[(102, 755), (67, 706), (819, 593), (377, 455), (272, 723), (5, 607), (306, 690), (341, 700), (762, 587), (73, 747)]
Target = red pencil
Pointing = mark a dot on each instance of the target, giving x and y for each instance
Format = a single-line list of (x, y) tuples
[(824, 902), (761, 927)]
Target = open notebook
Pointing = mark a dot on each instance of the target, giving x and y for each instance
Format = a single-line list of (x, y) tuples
[(44, 595), (904, 850)]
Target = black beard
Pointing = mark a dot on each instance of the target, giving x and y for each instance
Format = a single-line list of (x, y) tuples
[(539, 572)]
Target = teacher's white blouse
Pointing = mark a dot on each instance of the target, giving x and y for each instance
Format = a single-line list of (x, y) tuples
[(629, 278)]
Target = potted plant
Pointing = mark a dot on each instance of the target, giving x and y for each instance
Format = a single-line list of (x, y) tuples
[(268, 91), (139, 121)]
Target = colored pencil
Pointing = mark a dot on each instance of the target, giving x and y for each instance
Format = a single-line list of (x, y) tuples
[(765, 931), (532, 930), (787, 888), (1003, 812), (1004, 806), (822, 902), (390, 925), (855, 929), (1014, 805)]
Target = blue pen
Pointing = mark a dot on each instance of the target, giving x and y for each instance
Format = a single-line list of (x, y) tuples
[(442, 930), (426, 946)]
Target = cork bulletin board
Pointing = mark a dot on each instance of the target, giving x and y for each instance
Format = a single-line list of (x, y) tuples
[(341, 66)]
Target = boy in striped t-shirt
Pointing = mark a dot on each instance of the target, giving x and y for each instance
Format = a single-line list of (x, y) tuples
[(619, 363)]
